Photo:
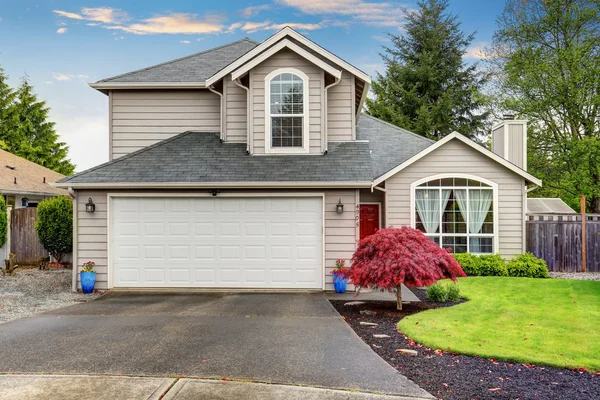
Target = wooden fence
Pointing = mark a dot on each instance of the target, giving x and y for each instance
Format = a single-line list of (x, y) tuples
[(23, 237), (558, 240)]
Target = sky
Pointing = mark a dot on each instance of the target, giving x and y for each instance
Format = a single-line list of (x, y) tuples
[(63, 45)]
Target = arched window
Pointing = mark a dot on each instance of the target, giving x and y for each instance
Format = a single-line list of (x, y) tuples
[(286, 111), (457, 212)]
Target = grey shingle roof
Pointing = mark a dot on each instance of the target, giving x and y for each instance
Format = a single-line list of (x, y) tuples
[(390, 145), (201, 157), (194, 68)]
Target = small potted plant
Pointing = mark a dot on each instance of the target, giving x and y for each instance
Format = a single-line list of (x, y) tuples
[(88, 277), (340, 276)]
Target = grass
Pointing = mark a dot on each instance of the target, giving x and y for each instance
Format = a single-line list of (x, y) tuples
[(551, 322)]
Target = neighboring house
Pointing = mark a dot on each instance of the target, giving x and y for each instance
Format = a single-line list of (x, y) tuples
[(251, 166), (548, 206)]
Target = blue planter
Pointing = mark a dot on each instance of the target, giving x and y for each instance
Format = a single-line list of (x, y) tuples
[(88, 280), (340, 285)]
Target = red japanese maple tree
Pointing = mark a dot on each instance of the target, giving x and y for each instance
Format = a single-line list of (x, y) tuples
[(393, 256)]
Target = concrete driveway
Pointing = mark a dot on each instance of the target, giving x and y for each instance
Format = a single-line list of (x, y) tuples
[(279, 338)]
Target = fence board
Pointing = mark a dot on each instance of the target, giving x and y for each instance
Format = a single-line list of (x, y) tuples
[(23, 237), (557, 239)]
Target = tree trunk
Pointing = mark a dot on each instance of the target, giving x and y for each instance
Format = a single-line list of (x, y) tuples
[(399, 297)]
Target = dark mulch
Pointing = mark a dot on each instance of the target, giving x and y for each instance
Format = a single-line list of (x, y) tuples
[(451, 376)]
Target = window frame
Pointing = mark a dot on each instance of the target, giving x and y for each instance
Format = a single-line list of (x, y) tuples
[(492, 186), (305, 112)]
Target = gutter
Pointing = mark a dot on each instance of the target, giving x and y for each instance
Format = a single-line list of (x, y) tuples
[(239, 83), (212, 89), (213, 185), (337, 81), (147, 85)]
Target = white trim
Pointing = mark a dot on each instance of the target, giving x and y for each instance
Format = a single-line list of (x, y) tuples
[(363, 98), (110, 125), (237, 82), (353, 101), (492, 184), (111, 195), (305, 113), (147, 85), (221, 109), (378, 203), (287, 31), (285, 43), (75, 245), (473, 145), (506, 141), (212, 185), (325, 115)]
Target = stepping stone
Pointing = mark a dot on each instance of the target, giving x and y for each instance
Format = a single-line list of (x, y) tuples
[(368, 312), (380, 336), (354, 303), (407, 352), (368, 323)]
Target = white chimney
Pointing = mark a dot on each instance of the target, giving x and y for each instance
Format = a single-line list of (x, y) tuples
[(509, 140)]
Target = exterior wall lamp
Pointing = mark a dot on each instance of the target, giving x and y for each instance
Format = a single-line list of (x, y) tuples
[(90, 206), (339, 207), (24, 202)]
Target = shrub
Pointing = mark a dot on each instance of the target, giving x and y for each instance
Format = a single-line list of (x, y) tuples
[(529, 266), (453, 293), (437, 293), (492, 265), (470, 263), (392, 257), (55, 226), (3, 221)]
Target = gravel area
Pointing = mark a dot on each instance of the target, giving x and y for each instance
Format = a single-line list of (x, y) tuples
[(33, 291), (581, 276), (456, 377)]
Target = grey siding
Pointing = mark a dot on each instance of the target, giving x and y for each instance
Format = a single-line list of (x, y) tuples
[(498, 141), (515, 145), (236, 112), (282, 59), (457, 157), (92, 240), (340, 118), (140, 118)]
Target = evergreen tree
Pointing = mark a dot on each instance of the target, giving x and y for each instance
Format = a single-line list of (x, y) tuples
[(427, 88), (7, 97), (32, 136)]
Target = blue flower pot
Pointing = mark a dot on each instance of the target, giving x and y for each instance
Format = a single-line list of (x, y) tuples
[(88, 280), (340, 285)]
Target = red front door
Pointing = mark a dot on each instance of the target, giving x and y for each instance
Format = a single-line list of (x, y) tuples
[(369, 219)]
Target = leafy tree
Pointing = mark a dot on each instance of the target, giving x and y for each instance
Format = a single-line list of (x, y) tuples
[(32, 136), (427, 87), (3, 221), (54, 226), (546, 63), (392, 257)]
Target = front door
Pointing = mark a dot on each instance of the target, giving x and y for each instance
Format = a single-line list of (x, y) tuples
[(369, 219)]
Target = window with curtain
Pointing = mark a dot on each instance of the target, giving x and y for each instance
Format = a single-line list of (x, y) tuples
[(287, 110), (456, 213)]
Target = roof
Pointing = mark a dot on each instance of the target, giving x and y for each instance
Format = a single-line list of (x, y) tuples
[(193, 68), (195, 158), (548, 206), (390, 145), (29, 176)]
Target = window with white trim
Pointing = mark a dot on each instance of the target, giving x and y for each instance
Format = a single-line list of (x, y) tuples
[(456, 213), (287, 111)]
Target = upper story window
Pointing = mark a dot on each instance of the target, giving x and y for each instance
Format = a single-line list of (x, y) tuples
[(286, 111), (457, 213)]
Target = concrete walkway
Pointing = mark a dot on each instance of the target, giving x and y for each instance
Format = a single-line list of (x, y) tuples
[(374, 295), (84, 387)]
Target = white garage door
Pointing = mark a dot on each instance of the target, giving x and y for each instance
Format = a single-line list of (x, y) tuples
[(217, 242)]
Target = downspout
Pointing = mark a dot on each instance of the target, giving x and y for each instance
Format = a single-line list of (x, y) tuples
[(337, 80), (75, 241), (238, 83), (212, 89)]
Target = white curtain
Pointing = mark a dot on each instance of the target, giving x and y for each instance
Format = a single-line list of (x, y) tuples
[(428, 207), (480, 202)]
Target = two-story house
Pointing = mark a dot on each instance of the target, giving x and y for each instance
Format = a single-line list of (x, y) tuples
[(250, 165)]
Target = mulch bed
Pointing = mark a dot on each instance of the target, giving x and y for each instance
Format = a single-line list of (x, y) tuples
[(452, 376)]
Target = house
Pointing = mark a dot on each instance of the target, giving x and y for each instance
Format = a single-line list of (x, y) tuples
[(24, 183), (250, 165)]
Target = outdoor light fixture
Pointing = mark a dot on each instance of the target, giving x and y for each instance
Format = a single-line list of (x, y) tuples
[(90, 206), (214, 192), (24, 201), (339, 207)]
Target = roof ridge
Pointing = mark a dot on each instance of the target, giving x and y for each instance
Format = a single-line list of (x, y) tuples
[(127, 156), (246, 39), (398, 128)]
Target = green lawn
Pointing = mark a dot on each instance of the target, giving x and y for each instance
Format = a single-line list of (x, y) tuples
[(539, 321)]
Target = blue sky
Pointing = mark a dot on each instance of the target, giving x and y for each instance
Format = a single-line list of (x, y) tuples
[(62, 45)]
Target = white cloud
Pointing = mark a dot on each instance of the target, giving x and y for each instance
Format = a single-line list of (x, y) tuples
[(49, 83), (253, 11), (61, 30), (105, 15), (385, 14), (93, 24), (58, 76), (179, 23), (270, 26), (67, 14), (233, 27), (477, 51), (185, 41)]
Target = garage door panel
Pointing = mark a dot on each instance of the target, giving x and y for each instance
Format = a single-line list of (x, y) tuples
[(217, 242)]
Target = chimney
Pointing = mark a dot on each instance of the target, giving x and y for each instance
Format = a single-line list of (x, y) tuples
[(509, 140)]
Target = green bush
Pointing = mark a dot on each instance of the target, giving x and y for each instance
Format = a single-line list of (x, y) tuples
[(54, 226), (483, 265), (529, 266), (437, 293), (453, 293), (470, 263), (3, 221)]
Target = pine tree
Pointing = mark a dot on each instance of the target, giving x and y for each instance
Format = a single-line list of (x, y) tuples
[(427, 88), (32, 136), (7, 97)]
